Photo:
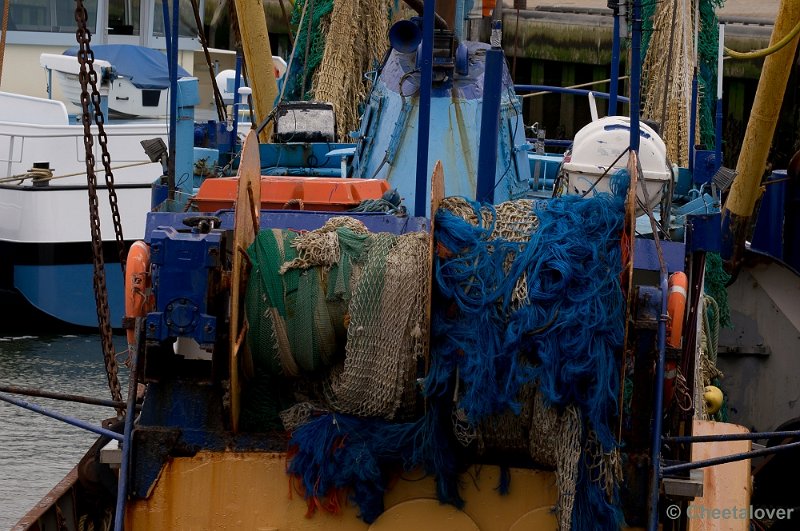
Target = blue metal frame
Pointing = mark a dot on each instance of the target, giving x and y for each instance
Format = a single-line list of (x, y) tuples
[(122, 484), (693, 120), (78, 423), (172, 59), (564, 90), (636, 73), (490, 125), (236, 85), (646, 256), (297, 220), (615, 45), (658, 406), (424, 124)]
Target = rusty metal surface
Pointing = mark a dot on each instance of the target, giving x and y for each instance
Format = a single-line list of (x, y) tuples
[(38, 512)]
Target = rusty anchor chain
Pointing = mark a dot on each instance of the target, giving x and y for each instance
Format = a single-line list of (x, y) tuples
[(88, 78)]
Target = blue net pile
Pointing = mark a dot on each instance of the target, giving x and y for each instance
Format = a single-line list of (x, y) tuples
[(559, 334)]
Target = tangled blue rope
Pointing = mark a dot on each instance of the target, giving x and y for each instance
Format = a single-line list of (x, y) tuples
[(561, 338), (334, 454)]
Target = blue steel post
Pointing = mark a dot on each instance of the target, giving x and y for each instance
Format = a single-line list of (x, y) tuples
[(693, 120), (236, 85), (490, 117), (614, 88), (718, 128), (172, 61), (658, 405), (78, 423), (424, 127), (565, 90), (636, 72), (122, 483), (188, 96), (693, 109)]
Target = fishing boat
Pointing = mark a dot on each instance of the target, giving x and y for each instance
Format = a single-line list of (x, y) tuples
[(491, 360), (44, 194), (43, 235), (137, 77)]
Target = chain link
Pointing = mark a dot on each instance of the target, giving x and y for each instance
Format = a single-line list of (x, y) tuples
[(87, 77)]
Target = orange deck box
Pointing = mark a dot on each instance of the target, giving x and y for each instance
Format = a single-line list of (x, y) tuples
[(332, 194)]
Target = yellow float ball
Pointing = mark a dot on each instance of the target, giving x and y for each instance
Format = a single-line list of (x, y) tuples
[(712, 396)]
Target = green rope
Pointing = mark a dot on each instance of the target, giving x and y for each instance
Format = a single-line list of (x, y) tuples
[(316, 21), (712, 326), (715, 281), (627, 395), (707, 50), (648, 18)]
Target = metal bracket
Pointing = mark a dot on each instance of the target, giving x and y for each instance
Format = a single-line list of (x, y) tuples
[(685, 488), (744, 350)]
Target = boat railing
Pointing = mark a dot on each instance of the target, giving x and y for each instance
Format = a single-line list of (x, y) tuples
[(22, 145)]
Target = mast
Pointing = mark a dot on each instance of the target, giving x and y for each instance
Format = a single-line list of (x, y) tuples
[(758, 137), (258, 58)]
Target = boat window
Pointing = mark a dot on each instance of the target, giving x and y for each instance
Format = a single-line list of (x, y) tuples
[(123, 17), (187, 26), (50, 16)]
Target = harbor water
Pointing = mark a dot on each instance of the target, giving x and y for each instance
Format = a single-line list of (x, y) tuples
[(36, 452)]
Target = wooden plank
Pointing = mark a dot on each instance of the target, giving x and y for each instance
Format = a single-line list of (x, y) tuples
[(246, 220), (437, 194), (724, 486)]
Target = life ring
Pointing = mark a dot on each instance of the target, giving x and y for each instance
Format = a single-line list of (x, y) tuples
[(676, 308), (137, 287)]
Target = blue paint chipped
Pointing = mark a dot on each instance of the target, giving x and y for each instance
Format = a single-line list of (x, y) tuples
[(616, 127)]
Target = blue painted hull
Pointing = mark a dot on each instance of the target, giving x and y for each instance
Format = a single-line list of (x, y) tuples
[(46, 287), (66, 292)]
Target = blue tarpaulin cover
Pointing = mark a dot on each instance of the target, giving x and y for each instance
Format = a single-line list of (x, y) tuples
[(144, 67)]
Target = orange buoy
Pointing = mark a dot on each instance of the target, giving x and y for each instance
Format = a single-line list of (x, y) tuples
[(676, 308), (137, 286)]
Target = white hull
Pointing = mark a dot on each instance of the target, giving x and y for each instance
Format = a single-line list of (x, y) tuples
[(58, 211)]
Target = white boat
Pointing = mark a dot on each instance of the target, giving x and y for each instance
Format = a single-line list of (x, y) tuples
[(45, 252), (137, 78), (44, 236)]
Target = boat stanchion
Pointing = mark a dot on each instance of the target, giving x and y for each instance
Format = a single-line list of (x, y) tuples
[(122, 483), (753, 436), (78, 423), (761, 452)]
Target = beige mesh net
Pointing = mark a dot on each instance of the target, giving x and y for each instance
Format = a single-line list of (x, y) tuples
[(667, 76), (385, 316), (355, 42)]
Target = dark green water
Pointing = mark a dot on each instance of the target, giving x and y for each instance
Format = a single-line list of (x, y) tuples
[(36, 452)]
